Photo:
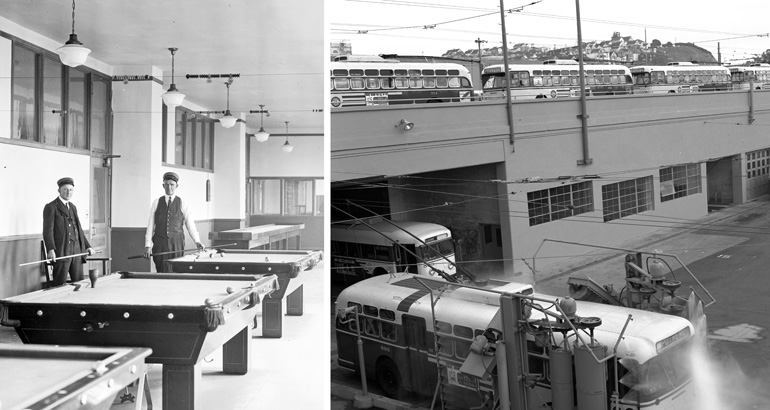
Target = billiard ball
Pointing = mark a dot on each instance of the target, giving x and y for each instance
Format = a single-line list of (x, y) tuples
[(230, 290), (208, 301)]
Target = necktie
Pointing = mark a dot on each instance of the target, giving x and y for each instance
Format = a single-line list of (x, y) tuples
[(168, 201)]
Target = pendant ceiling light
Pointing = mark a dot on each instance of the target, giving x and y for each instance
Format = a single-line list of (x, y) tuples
[(262, 135), (72, 53), (172, 97), (287, 148), (228, 121)]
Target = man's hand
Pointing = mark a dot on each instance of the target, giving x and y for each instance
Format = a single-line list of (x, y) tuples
[(147, 252), (52, 255), (200, 246), (90, 251)]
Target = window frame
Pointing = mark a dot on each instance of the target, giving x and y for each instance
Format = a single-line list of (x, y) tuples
[(66, 142), (623, 198)]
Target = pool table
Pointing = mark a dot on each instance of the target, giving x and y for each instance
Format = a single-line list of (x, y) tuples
[(181, 317), (285, 264), (66, 377)]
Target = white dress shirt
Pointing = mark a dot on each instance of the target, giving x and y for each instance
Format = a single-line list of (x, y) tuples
[(189, 222)]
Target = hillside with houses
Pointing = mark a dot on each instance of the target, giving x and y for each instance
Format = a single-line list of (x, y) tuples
[(619, 49)]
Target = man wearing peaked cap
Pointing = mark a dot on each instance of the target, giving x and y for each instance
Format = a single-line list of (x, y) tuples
[(63, 235), (165, 232)]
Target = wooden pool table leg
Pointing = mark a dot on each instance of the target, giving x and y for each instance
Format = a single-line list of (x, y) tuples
[(294, 302), (236, 353), (181, 386), (142, 390), (272, 312)]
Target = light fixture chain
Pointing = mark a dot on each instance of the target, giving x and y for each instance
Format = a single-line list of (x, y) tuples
[(172, 66), (73, 16)]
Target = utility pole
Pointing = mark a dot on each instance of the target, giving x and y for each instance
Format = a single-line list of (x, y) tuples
[(481, 65)]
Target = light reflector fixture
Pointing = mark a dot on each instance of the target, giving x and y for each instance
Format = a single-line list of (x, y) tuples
[(72, 53)]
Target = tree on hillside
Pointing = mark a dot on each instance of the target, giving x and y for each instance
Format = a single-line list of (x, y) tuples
[(763, 58), (669, 44), (655, 43)]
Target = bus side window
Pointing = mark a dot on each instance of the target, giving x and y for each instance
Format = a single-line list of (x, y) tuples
[(341, 84), (357, 83), (372, 83), (454, 82), (353, 324), (402, 82), (415, 82), (367, 251), (464, 82), (442, 82), (387, 83), (388, 331), (371, 327), (524, 78), (429, 82)]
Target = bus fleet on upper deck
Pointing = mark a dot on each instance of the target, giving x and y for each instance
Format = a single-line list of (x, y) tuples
[(377, 81)]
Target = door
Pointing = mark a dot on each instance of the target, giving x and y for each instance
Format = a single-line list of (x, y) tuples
[(100, 143), (99, 230)]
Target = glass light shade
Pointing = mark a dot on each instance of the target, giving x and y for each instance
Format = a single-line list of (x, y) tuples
[(73, 54), (287, 148), (228, 121), (172, 97), (262, 135)]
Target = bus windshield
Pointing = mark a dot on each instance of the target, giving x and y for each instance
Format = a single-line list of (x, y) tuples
[(435, 250), (658, 376)]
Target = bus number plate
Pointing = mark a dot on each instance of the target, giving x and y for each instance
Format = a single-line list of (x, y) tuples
[(458, 378)]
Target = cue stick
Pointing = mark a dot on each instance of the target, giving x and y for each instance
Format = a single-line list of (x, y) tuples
[(60, 257), (186, 250)]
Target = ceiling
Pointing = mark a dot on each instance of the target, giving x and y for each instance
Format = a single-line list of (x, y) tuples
[(275, 45)]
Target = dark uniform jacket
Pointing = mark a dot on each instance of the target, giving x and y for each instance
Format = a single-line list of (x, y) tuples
[(59, 225)]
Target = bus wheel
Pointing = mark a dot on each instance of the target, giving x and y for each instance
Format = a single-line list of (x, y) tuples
[(389, 378)]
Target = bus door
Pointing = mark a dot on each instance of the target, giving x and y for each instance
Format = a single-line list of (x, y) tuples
[(405, 259), (421, 374)]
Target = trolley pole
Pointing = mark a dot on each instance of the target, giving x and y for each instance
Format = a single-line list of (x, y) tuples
[(481, 65), (581, 73), (508, 106)]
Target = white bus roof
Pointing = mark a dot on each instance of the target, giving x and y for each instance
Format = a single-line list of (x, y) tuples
[(498, 68), (404, 294), (360, 58), (644, 68), (361, 233), (394, 64)]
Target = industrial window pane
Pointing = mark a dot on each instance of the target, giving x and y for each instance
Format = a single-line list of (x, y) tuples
[(24, 97), (52, 101), (627, 198), (99, 113), (679, 181), (180, 127), (559, 202), (76, 110)]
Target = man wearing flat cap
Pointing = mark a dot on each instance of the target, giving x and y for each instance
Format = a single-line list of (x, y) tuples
[(165, 233), (63, 235)]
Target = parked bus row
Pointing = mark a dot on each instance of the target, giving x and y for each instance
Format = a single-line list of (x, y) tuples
[(377, 81)]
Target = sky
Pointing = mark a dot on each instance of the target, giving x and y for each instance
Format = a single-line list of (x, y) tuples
[(432, 27)]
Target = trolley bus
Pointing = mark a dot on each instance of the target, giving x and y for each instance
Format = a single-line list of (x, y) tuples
[(416, 340), (742, 76), (554, 79), (360, 251), (679, 78), (380, 81)]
